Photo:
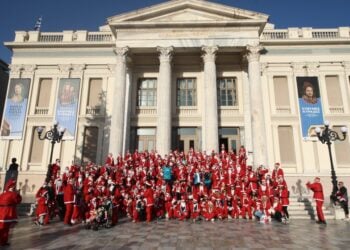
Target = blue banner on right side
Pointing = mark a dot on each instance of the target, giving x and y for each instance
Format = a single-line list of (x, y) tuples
[(310, 104)]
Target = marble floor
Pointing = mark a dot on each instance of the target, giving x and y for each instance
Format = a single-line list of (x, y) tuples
[(237, 234)]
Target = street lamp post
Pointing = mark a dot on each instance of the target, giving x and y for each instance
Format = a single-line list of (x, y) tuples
[(326, 136), (54, 135)]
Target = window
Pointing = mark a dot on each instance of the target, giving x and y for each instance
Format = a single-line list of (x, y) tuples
[(186, 92), (227, 92), (95, 92), (280, 84), (36, 149), (286, 144), (342, 148), (90, 144), (333, 91), (44, 93), (147, 93), (146, 139)]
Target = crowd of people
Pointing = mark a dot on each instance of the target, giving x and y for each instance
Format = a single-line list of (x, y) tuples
[(145, 186)]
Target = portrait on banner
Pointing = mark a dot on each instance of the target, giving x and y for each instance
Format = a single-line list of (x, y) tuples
[(15, 109), (310, 105), (67, 105)]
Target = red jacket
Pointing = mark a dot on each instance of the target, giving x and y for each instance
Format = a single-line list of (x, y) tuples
[(149, 197), (8, 202), (69, 194), (316, 187)]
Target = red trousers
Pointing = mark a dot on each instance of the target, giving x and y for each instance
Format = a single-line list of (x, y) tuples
[(69, 213), (319, 210), (4, 234)]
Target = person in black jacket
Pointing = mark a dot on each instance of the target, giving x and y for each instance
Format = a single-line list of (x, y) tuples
[(343, 199), (12, 172)]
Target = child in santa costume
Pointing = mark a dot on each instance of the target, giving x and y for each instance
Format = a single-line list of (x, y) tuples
[(182, 209), (246, 206), (42, 209)]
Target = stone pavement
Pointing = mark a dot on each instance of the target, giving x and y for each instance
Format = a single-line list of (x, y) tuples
[(236, 234)]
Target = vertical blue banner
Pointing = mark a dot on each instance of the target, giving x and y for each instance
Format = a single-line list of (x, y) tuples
[(15, 109), (310, 104), (67, 105)]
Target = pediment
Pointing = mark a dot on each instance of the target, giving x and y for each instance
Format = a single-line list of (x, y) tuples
[(188, 15), (186, 11)]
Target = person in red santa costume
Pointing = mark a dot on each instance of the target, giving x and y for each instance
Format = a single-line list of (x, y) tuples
[(110, 160), (42, 198), (246, 206), (149, 197), (9, 199), (182, 209), (69, 200), (194, 208), (209, 210), (277, 171), (284, 197), (317, 188), (55, 168)]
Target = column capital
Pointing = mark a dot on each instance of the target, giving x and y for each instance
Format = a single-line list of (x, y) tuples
[(312, 67), (30, 68), (16, 68), (209, 54), (253, 52), (346, 65), (121, 53), (79, 67), (165, 53), (65, 68)]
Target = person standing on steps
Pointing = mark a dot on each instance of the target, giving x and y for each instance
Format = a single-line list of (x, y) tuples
[(343, 199), (317, 188)]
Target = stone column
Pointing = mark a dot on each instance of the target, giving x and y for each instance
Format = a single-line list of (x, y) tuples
[(127, 118), (210, 116), (118, 107), (164, 101), (248, 140), (257, 106)]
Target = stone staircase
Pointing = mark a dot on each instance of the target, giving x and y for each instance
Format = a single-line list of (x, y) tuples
[(305, 209), (24, 208)]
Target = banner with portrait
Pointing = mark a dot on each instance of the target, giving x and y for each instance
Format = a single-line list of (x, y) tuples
[(67, 106), (15, 109), (310, 104)]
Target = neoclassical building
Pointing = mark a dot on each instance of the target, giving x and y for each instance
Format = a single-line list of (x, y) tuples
[(181, 74)]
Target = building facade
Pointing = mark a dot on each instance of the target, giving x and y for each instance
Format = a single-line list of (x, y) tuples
[(183, 74)]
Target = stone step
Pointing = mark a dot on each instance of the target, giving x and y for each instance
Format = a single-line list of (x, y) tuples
[(308, 212), (308, 217), (293, 207), (23, 209)]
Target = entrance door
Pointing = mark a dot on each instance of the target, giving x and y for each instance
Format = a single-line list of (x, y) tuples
[(223, 142), (185, 138), (230, 137), (145, 142), (185, 142)]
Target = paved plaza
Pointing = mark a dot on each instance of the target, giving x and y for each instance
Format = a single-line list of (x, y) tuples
[(236, 234)]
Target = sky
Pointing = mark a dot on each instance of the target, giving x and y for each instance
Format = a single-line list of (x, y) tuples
[(59, 15)]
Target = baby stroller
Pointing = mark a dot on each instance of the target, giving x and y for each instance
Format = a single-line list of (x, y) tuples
[(100, 216)]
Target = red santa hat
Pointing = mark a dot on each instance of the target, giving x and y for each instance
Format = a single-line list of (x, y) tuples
[(147, 183)]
